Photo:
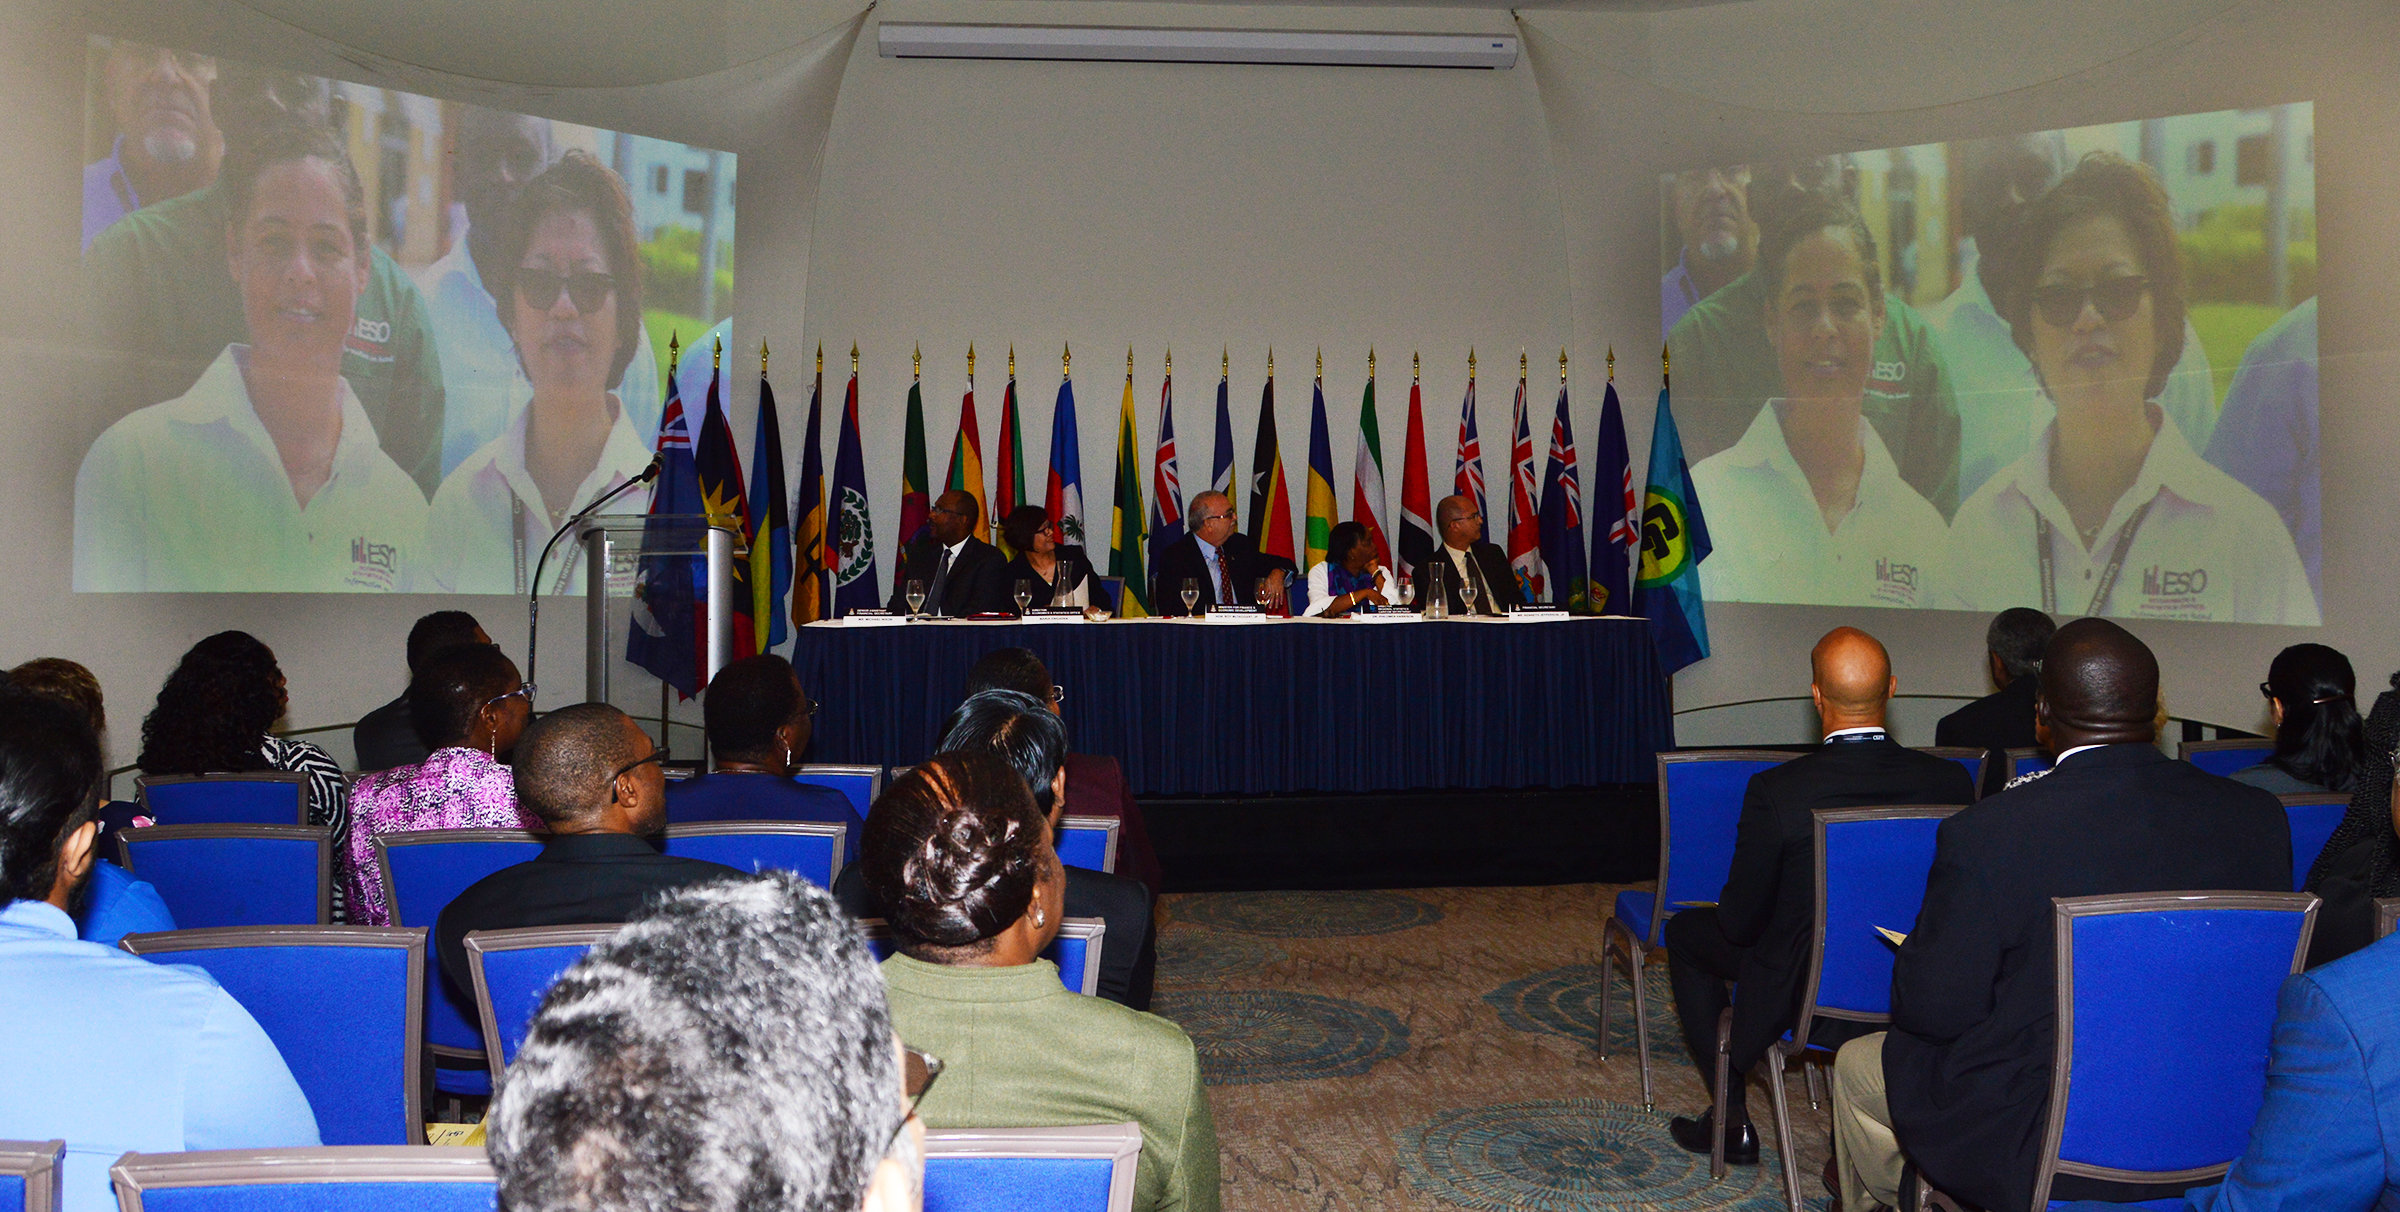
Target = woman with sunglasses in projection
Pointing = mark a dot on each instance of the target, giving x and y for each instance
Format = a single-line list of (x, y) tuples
[(573, 307), (2111, 512), (266, 475)]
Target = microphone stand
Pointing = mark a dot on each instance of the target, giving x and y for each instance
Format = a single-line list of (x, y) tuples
[(533, 594)]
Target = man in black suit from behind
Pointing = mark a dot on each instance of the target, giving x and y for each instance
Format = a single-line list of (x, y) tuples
[(387, 736), (1464, 556), (1962, 1078), (1756, 937), (2003, 720), (1221, 560), (963, 575)]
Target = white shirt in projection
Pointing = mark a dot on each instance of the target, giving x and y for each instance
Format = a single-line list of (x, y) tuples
[(190, 496), (479, 532), (2207, 548), (1769, 537)]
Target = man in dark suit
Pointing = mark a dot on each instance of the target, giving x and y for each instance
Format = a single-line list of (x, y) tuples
[(387, 737), (1756, 937), (593, 777), (963, 575), (1962, 1079), (2003, 720), (1225, 563), (1464, 558)]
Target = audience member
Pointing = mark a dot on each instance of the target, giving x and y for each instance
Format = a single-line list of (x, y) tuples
[(1963, 1075), (114, 904), (2312, 695), (1349, 577), (472, 704), (2324, 1138), (1095, 781), (2003, 719), (1712, 218), (758, 722), (958, 853), (1749, 951), (212, 716), (592, 776), (1466, 559), (1051, 574), (729, 1050), (185, 1067), (387, 736), (2358, 861), (1224, 564), (2266, 435), (959, 573)]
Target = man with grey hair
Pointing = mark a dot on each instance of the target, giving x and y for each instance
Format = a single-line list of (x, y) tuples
[(2003, 719), (1220, 561), (729, 1049)]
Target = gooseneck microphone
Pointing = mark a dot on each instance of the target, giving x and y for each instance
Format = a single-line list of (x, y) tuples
[(533, 592)]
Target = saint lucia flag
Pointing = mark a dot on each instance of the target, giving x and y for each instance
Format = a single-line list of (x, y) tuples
[(1323, 512), (1064, 498), (1125, 530), (850, 549), (1674, 540)]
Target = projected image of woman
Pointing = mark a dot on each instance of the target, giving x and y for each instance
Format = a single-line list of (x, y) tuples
[(266, 475), (2111, 512), (573, 308), (1808, 506)]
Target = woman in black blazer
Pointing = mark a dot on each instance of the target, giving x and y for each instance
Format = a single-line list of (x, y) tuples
[(1056, 575)]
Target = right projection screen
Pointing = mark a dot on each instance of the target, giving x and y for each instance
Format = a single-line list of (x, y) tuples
[(2074, 369)]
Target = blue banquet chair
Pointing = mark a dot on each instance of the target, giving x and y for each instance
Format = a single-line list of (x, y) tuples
[(422, 873), (1087, 1168), (248, 797), (812, 849), (235, 875), (513, 971), (326, 1178), (30, 1173)]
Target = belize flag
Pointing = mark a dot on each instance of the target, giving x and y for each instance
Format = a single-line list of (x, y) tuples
[(850, 549)]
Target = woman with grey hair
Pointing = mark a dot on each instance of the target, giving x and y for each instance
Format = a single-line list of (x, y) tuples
[(961, 861), (730, 1049)]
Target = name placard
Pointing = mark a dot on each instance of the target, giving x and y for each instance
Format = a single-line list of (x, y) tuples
[(1536, 613), (873, 617)]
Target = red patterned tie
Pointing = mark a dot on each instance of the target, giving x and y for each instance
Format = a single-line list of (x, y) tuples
[(1224, 583)]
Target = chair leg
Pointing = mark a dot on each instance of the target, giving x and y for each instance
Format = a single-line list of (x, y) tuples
[(1641, 1025), (1724, 1063), (1783, 1128), (1816, 1083), (1608, 979)]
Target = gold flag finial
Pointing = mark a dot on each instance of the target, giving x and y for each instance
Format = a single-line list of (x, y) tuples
[(762, 359), (1129, 363), (716, 360), (1370, 361), (1521, 364), (854, 357), (1662, 365), (970, 366), (1066, 361), (1225, 362), (1470, 363), (1416, 365), (1612, 363), (916, 362), (674, 351), (1012, 360), (1170, 361), (1270, 361), (1562, 363)]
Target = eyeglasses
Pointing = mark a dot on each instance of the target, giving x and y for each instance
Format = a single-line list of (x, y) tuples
[(524, 692), (539, 287), (1058, 694), (956, 513), (917, 1073), (811, 705), (658, 755), (2266, 690), (2117, 299)]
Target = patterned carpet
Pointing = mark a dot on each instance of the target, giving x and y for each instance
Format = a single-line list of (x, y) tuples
[(1434, 1050)]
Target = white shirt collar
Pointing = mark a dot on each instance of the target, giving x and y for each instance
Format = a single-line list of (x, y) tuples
[(2169, 462), (1877, 729), (957, 547), (38, 915), (1763, 446), (622, 449), (222, 394), (2062, 758)]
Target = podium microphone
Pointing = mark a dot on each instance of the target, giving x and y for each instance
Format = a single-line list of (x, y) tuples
[(533, 592)]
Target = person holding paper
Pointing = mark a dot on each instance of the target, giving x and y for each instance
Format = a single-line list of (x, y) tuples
[(1755, 939)]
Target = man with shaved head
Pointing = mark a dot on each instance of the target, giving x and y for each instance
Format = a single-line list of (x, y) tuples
[(960, 574), (1961, 1080), (1755, 939)]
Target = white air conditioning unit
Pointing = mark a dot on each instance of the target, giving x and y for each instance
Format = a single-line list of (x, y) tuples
[(929, 40)]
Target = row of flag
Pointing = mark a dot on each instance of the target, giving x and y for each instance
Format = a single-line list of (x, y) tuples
[(1641, 557)]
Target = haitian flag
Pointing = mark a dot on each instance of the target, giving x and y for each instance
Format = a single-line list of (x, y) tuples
[(916, 503), (720, 475), (1562, 512), (1666, 590), (1064, 499), (1613, 503), (666, 634), (1270, 495), (850, 549)]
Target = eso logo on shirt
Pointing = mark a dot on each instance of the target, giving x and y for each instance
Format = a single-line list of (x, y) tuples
[(370, 340), (2174, 593), (373, 565), (1896, 581)]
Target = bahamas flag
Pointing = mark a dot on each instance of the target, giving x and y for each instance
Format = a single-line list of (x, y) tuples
[(719, 468), (1616, 513), (850, 549), (966, 456), (776, 546), (1674, 540), (1010, 491), (1562, 513), (1064, 496), (1125, 529), (1270, 495), (1323, 510), (916, 503), (666, 635)]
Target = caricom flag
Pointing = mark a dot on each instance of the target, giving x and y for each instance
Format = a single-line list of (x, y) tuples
[(1674, 539)]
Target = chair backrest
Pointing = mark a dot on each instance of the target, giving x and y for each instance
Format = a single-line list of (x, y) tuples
[(1871, 865), (2387, 915), (1699, 802), (2225, 757), (422, 873), (2022, 762), (2313, 818), (513, 970), (2166, 1007), (235, 875), (811, 848), (341, 1003), (328, 1178), (862, 784), (1080, 1169), (1109, 592), (248, 797), (1966, 756), (1089, 842), (29, 1175), (1076, 950)]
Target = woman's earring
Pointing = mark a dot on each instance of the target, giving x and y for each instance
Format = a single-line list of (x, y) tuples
[(1038, 920)]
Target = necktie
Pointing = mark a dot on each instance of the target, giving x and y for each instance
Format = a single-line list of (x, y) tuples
[(941, 578), (1224, 582), (1483, 588)]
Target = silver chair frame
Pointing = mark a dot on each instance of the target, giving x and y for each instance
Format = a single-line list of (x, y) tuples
[(788, 828), (480, 943), (291, 833), (873, 773), (1120, 1144), (2185, 749), (1091, 929), (41, 1165), (135, 1173), (299, 784), (2387, 915), (1109, 825)]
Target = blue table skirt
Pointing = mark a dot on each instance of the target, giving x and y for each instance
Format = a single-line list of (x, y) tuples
[(1198, 708)]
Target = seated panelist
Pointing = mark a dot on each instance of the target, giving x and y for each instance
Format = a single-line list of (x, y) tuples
[(1055, 575), (1225, 564), (1350, 579), (758, 722), (961, 574), (1466, 559)]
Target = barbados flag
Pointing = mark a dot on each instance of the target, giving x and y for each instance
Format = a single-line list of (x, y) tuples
[(1674, 540)]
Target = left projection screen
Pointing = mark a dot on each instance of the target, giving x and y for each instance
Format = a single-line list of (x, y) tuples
[(368, 341)]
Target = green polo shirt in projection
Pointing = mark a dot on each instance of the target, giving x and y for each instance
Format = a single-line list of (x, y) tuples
[(1019, 1051), (158, 289), (1722, 370)]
